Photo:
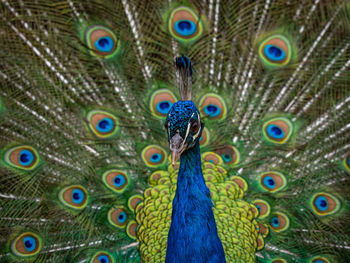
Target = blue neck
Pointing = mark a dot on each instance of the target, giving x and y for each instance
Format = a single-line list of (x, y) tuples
[(193, 235)]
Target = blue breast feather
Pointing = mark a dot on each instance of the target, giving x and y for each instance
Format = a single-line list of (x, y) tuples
[(193, 235)]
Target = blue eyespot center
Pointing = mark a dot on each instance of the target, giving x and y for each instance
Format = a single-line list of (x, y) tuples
[(274, 53), (318, 261), (78, 196), (119, 180), (26, 157), (226, 157), (122, 217), (29, 243), (103, 259), (105, 125), (185, 27), (274, 221), (275, 131), (155, 158), (259, 208), (163, 107), (104, 44), (321, 203), (212, 110), (269, 182)]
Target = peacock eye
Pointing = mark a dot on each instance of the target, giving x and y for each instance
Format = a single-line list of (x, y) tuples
[(74, 196), (118, 217), (195, 126), (104, 125), (27, 244), (102, 41), (153, 156), (263, 208), (213, 106), (116, 180), (279, 222), (275, 51), (324, 204), (184, 24), (161, 102), (229, 154), (166, 125), (22, 157), (102, 257), (272, 181)]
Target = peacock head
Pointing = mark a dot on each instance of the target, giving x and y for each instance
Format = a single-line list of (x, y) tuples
[(184, 128)]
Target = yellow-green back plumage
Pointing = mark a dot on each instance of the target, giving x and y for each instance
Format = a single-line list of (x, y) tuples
[(235, 218)]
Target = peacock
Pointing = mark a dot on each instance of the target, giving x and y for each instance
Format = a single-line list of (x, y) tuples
[(175, 131)]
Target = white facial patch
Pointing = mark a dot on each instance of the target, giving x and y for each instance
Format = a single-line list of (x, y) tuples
[(196, 135)]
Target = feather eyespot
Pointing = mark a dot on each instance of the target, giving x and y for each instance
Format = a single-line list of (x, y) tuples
[(213, 106), (229, 154), (131, 229), (161, 102), (116, 180), (118, 217), (153, 156), (272, 181), (275, 51), (103, 124), (22, 157), (102, 257), (263, 208), (184, 24), (240, 182), (134, 201), (101, 41), (26, 245), (319, 259), (212, 157), (279, 222), (205, 137), (263, 229), (74, 196), (324, 204), (277, 130), (260, 242)]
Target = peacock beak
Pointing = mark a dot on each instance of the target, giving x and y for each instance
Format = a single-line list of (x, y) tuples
[(177, 147)]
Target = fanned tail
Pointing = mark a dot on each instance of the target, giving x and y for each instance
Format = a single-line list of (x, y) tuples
[(85, 89)]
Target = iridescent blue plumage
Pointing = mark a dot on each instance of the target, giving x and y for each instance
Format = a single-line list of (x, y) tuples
[(193, 234)]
